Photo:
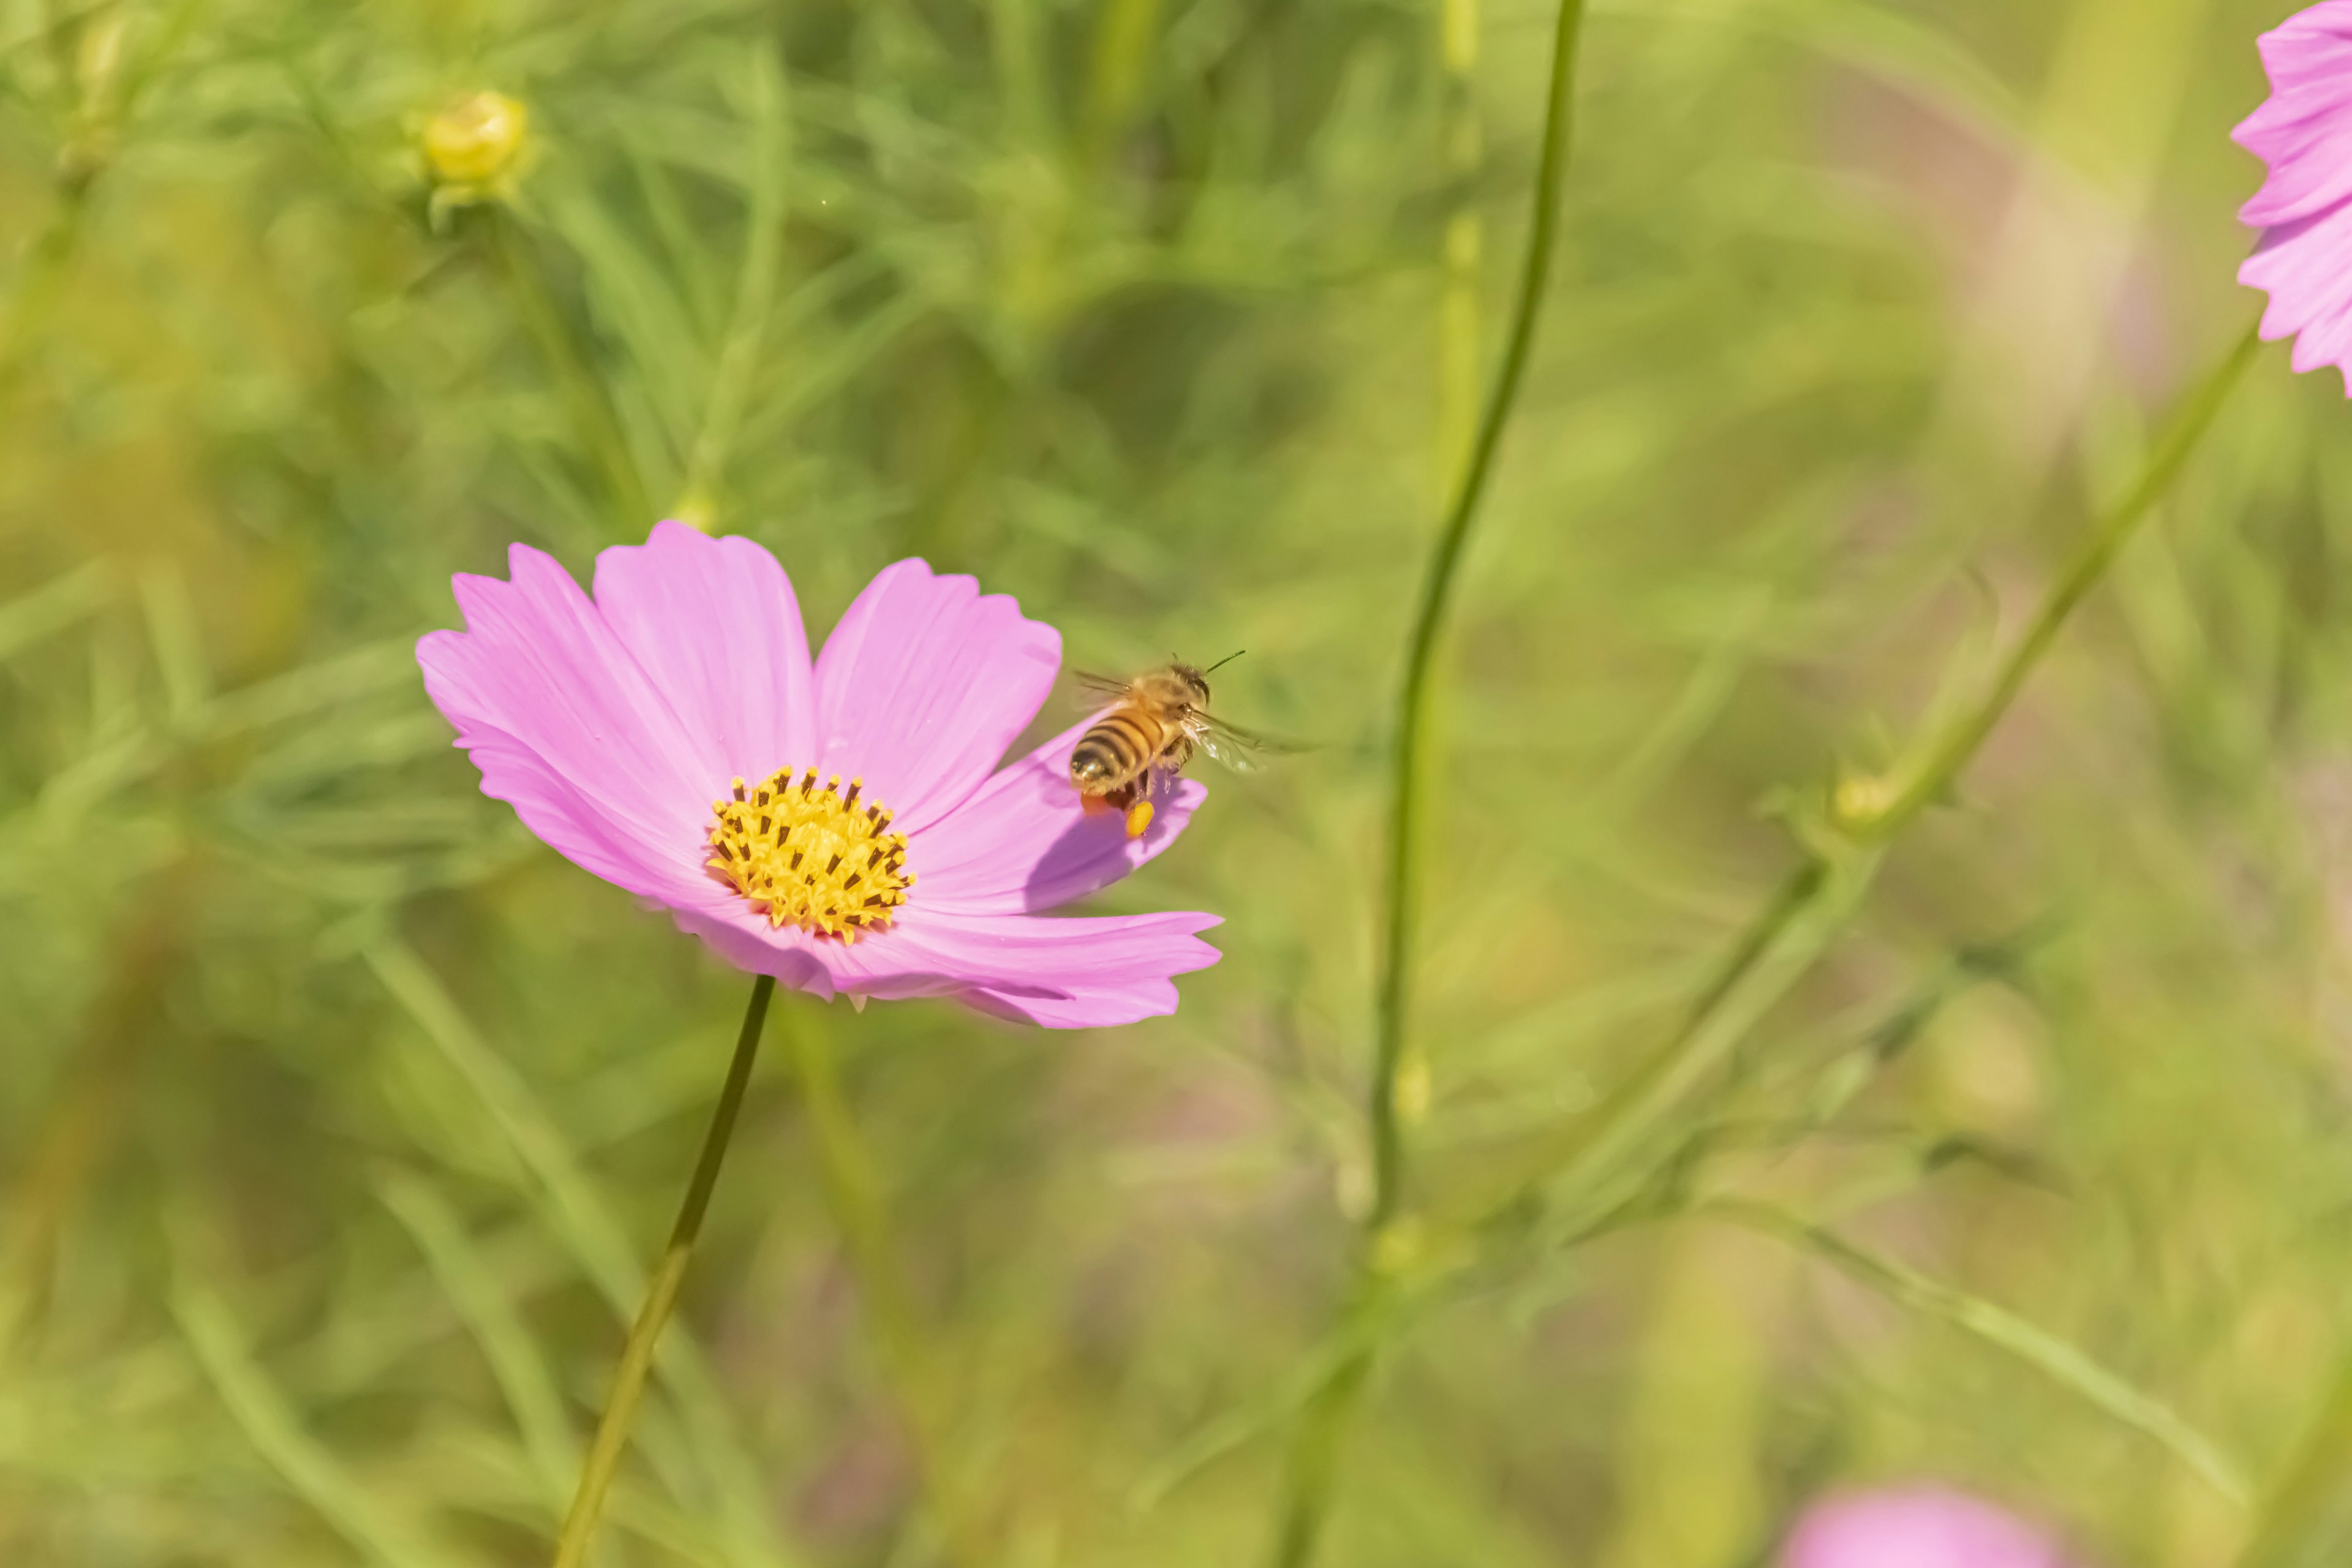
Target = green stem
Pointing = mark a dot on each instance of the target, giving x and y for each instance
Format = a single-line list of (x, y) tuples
[(1777, 947), (661, 1294), (1314, 1452), (2299, 1507), (1959, 742), (2064, 1364), (1313, 1462), (854, 1196), (1458, 312), (1797, 925), (596, 425), (1394, 999)]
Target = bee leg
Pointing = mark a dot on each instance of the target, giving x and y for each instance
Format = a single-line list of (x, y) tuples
[(1138, 810), (1118, 799)]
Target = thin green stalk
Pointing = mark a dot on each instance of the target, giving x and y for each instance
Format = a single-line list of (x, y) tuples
[(2063, 1364), (1458, 312), (1394, 999), (1797, 924), (1122, 57), (2301, 1512), (1313, 1462), (1944, 759), (597, 427), (272, 1424), (1315, 1453), (661, 1295), (854, 1196)]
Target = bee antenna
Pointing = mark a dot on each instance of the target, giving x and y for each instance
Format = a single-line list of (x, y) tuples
[(1226, 660)]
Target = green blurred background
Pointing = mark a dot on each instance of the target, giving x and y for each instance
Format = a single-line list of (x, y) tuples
[(339, 1118)]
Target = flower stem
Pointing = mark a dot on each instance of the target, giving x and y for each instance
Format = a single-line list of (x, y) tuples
[(1458, 305), (661, 1294), (1394, 999), (1802, 916), (1951, 752), (1315, 1450), (854, 1196)]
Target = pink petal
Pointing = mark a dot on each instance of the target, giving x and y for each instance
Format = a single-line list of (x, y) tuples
[(1024, 841), (566, 726), (2304, 136), (2313, 46), (1100, 1007), (1917, 1527), (877, 966), (924, 684), (1062, 974), (2305, 266), (2303, 131), (1067, 973), (714, 624)]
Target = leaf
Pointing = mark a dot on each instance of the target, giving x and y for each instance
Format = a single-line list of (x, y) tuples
[(596, 1238), (483, 1305), (2063, 1364), (2306, 1516), (275, 1430)]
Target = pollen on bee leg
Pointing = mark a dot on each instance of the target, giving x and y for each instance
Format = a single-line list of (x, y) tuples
[(810, 857), (1092, 805), (1138, 818)]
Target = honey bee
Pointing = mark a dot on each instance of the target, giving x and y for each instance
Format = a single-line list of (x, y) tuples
[(1157, 721)]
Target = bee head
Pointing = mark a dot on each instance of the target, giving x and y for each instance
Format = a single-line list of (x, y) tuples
[(1193, 679)]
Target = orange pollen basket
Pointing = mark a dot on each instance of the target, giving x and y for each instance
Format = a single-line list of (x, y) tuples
[(817, 859)]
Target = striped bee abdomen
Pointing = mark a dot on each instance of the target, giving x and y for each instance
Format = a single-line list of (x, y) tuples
[(1120, 745)]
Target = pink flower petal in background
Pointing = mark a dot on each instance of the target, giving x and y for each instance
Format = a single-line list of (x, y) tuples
[(613, 724), (2302, 133), (1917, 1527)]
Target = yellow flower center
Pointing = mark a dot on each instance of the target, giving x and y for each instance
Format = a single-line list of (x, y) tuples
[(810, 857)]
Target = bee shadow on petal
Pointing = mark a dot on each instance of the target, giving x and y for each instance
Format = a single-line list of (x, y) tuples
[(1087, 856)]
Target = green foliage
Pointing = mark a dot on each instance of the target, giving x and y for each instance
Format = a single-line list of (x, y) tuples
[(340, 1122)]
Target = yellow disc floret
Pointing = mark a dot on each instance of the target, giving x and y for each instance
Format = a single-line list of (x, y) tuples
[(811, 858)]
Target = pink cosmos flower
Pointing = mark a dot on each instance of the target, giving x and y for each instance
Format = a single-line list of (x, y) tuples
[(1916, 1527), (2302, 133), (843, 826)]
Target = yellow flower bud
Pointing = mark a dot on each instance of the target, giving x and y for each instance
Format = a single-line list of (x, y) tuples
[(1860, 800), (477, 142)]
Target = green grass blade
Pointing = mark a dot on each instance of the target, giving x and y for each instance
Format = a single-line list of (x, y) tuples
[(588, 1227), (483, 1304), (271, 1424), (2064, 1364)]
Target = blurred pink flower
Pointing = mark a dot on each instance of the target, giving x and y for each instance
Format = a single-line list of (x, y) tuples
[(1916, 1527), (2303, 131), (671, 736)]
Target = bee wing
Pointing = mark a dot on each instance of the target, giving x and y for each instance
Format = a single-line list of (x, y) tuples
[(1243, 751), (1100, 689)]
